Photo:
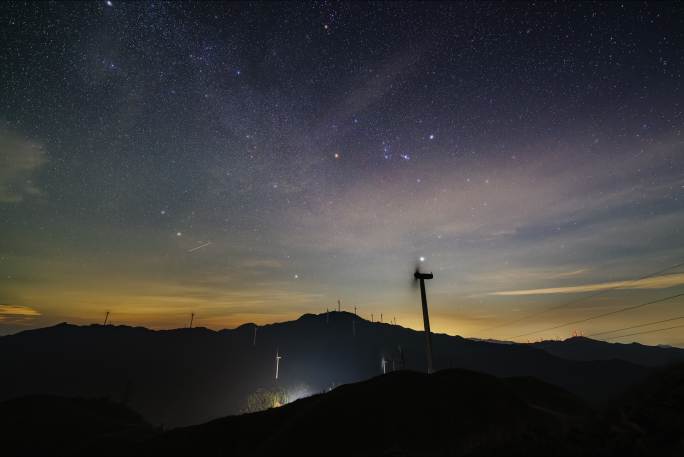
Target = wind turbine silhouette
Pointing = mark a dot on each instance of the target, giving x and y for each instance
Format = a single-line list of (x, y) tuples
[(421, 277), (278, 357)]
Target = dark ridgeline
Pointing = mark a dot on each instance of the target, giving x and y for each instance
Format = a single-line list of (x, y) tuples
[(451, 412), (187, 376), (582, 348)]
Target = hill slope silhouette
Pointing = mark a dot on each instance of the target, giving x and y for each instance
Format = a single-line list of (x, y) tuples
[(188, 376), (451, 412), (50, 425)]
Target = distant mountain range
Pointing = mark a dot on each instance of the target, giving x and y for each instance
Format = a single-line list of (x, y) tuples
[(581, 348), (187, 376)]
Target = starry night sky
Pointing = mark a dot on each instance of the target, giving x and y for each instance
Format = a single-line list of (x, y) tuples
[(253, 162)]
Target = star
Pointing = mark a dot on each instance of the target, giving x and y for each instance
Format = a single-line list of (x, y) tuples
[(246, 161)]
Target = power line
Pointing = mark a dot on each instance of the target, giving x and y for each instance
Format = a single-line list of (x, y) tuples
[(628, 308), (647, 331), (587, 297), (636, 326)]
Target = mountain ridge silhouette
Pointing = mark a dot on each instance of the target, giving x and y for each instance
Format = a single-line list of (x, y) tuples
[(186, 376)]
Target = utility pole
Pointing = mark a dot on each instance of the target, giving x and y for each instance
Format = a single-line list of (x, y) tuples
[(426, 318), (106, 318), (339, 306), (192, 318)]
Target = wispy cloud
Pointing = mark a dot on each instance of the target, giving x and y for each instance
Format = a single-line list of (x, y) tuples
[(658, 282), (20, 158), (15, 314), (480, 203)]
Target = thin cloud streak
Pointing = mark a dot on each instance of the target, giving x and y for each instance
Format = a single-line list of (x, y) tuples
[(658, 282)]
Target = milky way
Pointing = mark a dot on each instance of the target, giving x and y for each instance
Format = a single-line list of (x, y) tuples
[(253, 162)]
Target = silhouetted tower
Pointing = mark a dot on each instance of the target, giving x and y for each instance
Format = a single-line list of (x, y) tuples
[(339, 306), (372, 319), (426, 318), (354, 311), (192, 318), (106, 318), (278, 357), (380, 317)]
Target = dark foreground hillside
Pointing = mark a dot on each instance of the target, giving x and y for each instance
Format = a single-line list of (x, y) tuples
[(188, 376), (452, 412), (49, 425)]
